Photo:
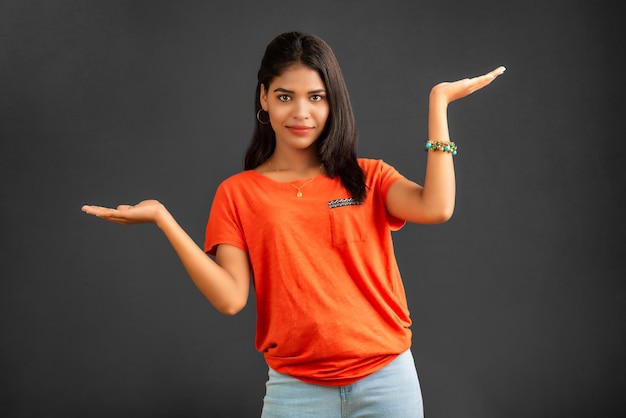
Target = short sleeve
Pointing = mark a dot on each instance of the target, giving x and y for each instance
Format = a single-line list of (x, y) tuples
[(224, 224), (384, 176)]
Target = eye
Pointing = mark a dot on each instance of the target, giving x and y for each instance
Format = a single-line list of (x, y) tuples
[(284, 98), (317, 98)]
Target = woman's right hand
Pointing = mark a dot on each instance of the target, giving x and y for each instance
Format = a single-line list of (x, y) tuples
[(225, 282), (148, 211)]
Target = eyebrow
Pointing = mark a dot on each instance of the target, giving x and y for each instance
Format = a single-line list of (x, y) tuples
[(282, 90)]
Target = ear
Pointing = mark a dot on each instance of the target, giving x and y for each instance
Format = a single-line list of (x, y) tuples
[(263, 97)]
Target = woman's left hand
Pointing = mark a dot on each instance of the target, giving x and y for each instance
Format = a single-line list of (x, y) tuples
[(448, 92)]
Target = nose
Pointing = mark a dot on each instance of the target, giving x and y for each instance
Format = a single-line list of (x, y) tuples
[(302, 109)]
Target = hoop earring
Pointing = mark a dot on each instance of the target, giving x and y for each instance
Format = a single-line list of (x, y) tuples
[(258, 117)]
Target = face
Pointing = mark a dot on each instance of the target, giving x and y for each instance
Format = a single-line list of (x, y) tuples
[(297, 106)]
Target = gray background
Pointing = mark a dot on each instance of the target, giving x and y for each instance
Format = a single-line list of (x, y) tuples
[(518, 302)]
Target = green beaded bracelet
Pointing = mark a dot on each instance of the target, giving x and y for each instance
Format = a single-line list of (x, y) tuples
[(449, 147)]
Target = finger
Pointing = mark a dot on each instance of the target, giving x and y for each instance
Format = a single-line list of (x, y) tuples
[(124, 207), (499, 71), (92, 210), (491, 74), (100, 212), (486, 79)]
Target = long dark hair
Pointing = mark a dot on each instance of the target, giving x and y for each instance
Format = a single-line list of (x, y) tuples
[(336, 146)]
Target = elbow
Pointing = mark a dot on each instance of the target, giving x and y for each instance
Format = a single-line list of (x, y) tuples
[(446, 215), (232, 308), (440, 215), (431, 217), (439, 220)]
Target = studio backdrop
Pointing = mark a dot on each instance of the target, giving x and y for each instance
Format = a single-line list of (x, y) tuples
[(517, 302)]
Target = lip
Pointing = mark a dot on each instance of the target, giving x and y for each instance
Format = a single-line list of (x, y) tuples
[(299, 129)]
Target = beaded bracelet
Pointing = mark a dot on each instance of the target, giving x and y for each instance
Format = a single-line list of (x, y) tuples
[(449, 147)]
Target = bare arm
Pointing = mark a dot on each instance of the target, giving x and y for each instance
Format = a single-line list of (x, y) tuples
[(434, 202), (225, 282)]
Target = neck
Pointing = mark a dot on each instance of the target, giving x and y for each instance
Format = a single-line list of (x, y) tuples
[(296, 164)]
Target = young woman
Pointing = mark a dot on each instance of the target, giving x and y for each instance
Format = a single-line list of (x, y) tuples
[(311, 224)]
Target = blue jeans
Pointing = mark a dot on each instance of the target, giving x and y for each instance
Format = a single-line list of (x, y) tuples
[(391, 392)]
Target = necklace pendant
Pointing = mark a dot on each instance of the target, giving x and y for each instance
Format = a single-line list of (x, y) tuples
[(299, 194)]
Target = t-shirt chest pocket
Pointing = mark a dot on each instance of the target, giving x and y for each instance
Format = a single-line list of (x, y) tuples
[(347, 224)]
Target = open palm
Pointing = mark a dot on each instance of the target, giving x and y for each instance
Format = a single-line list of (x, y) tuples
[(147, 211), (451, 91)]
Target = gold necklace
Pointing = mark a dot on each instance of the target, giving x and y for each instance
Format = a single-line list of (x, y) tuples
[(298, 189)]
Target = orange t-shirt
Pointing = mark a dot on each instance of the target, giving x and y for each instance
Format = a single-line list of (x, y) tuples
[(331, 306)]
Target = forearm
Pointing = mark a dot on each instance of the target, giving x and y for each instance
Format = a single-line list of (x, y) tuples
[(439, 181), (221, 289)]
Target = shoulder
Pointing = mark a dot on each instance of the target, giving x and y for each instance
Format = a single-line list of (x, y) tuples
[(236, 187), (241, 176), (379, 174), (368, 163), (375, 167), (241, 179)]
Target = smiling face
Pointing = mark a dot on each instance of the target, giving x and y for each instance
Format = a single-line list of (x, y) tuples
[(297, 106)]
